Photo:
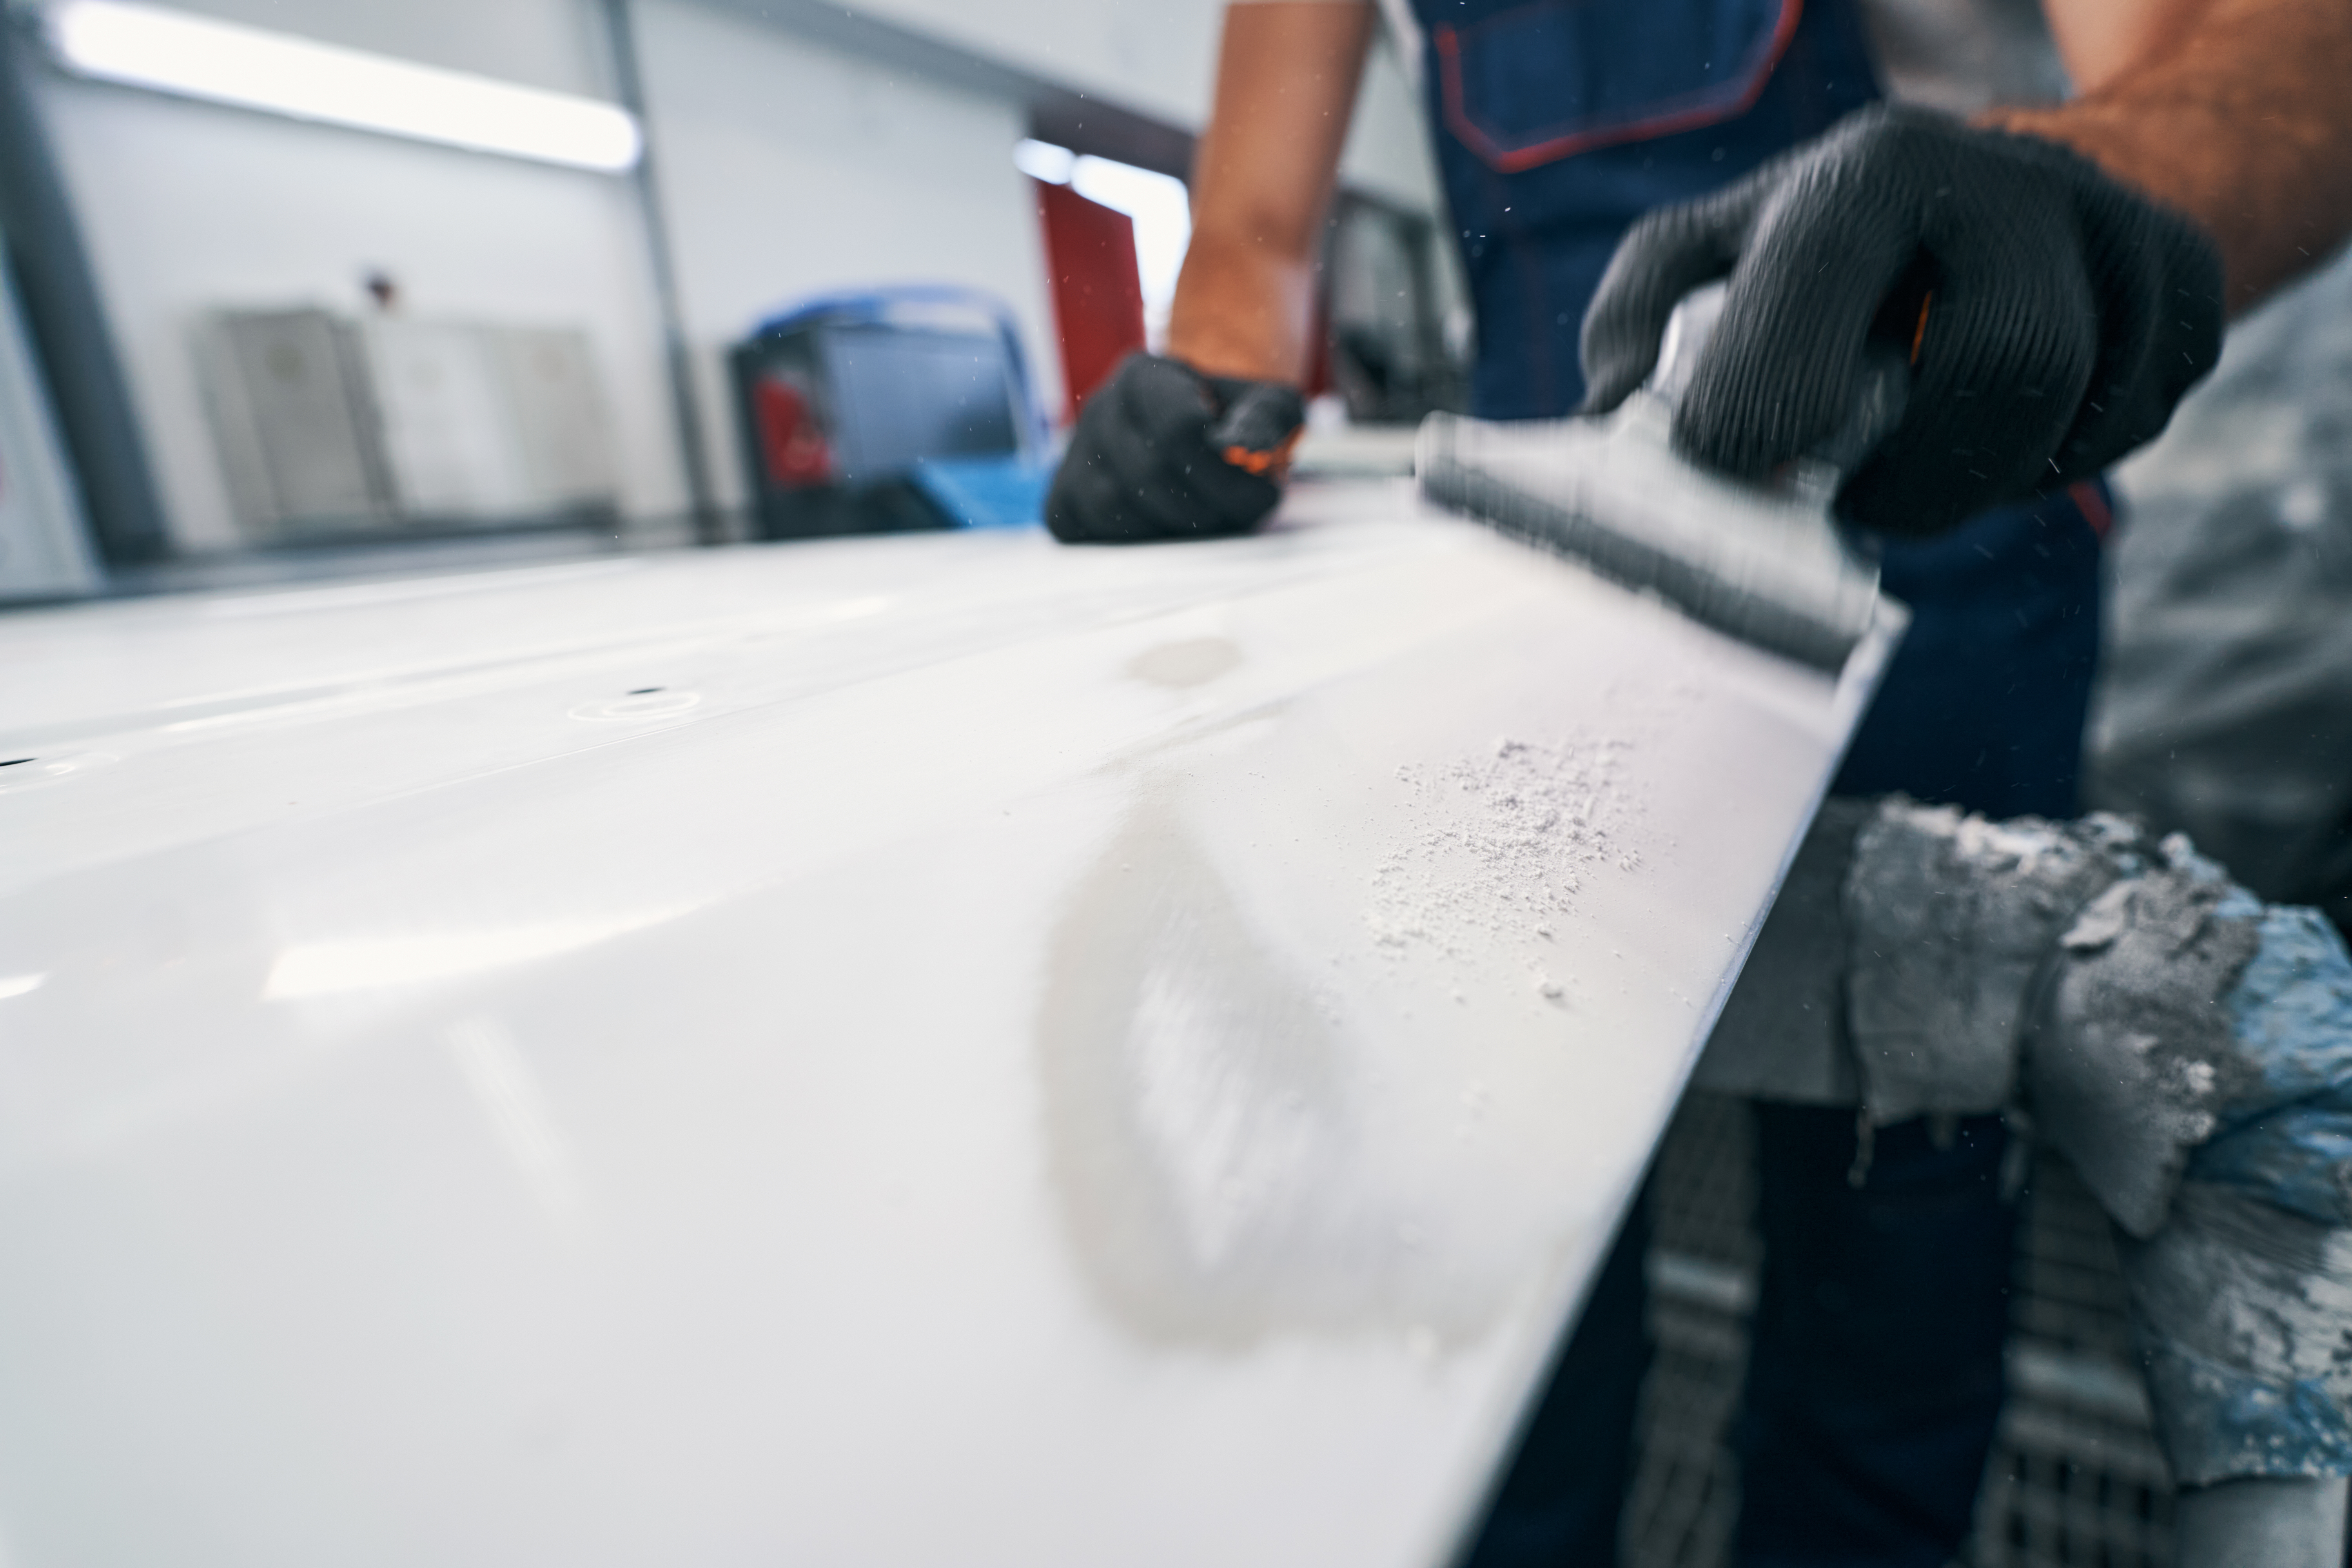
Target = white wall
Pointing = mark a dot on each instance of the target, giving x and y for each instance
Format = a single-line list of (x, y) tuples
[(1156, 56), (790, 169), (1159, 57)]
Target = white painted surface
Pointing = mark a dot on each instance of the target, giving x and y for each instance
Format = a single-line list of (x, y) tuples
[(1009, 1055)]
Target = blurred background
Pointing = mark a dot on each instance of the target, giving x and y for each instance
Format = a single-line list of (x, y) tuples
[(293, 272)]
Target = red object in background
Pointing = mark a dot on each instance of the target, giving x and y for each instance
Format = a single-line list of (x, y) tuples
[(1097, 289), (792, 443)]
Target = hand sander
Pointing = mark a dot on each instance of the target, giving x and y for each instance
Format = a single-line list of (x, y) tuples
[(1767, 564)]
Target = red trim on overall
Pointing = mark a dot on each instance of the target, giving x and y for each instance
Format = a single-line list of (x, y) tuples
[(1708, 107), (2092, 504)]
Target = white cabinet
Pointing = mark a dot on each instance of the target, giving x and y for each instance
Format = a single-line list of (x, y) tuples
[(449, 437), (297, 440), (327, 426)]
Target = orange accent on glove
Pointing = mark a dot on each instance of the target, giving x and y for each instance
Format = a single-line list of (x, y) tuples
[(1277, 462)]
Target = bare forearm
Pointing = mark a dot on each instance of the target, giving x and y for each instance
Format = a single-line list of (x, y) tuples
[(1262, 183), (1242, 311), (2238, 116)]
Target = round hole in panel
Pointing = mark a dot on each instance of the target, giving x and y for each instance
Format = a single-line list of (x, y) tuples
[(646, 702)]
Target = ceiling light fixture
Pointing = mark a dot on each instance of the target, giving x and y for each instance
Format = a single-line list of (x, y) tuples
[(196, 57)]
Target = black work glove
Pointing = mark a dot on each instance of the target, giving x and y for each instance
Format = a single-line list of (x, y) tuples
[(1161, 451), (2065, 316)]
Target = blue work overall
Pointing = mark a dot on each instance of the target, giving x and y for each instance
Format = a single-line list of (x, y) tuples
[(1876, 1374)]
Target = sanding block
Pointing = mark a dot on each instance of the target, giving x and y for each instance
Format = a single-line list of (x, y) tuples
[(1767, 564)]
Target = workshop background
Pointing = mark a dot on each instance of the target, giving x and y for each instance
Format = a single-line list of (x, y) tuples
[(242, 345), (790, 149)]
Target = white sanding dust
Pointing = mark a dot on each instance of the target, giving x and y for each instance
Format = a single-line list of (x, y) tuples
[(1504, 841)]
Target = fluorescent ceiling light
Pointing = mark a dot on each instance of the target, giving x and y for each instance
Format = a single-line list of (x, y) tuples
[(173, 51), (1161, 209), (1043, 160)]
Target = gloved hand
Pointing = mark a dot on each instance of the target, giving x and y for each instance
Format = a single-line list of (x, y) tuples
[(2065, 314), (1161, 451)]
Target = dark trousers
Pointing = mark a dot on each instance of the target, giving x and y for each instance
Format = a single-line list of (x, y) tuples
[(1562, 1495), (1875, 1382), (1874, 1373)]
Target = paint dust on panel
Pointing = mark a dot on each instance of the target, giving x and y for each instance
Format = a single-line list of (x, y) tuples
[(1506, 841)]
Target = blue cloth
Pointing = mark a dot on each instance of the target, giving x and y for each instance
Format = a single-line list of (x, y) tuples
[(1559, 122), (986, 493), (2288, 1139), (2284, 1140)]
